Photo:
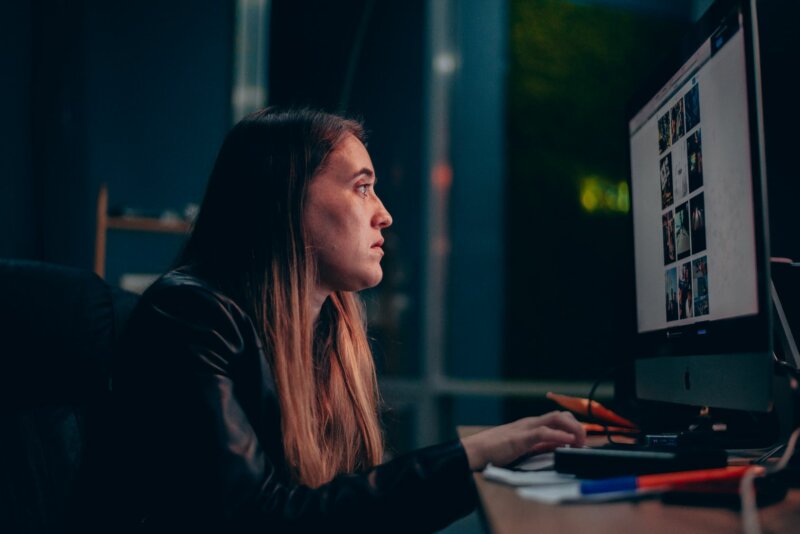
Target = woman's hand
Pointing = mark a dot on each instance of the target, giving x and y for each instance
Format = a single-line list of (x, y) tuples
[(503, 444)]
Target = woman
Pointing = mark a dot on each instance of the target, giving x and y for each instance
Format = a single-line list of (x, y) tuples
[(246, 391)]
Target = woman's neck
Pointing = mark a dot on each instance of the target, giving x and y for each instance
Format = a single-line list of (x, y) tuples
[(318, 298)]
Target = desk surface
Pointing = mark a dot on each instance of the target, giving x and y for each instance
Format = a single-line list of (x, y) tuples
[(506, 513)]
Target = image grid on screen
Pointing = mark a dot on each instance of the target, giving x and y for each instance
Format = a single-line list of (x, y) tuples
[(683, 218)]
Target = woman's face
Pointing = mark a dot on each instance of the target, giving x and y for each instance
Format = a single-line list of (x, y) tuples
[(344, 218)]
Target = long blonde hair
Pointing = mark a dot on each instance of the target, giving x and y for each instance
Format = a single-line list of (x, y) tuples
[(250, 238)]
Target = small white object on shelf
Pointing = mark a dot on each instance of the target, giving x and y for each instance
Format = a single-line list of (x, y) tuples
[(137, 282)]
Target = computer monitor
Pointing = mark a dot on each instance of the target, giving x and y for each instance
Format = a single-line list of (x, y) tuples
[(699, 213)]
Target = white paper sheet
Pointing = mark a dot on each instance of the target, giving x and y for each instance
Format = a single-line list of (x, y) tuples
[(571, 494), (526, 478)]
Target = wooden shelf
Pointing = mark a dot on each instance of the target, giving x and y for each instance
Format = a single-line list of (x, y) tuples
[(147, 224), (128, 223)]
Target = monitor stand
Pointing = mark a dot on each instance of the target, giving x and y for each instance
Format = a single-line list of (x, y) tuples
[(721, 429), (735, 429)]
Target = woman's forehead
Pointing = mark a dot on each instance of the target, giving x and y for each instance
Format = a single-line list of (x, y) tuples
[(349, 157)]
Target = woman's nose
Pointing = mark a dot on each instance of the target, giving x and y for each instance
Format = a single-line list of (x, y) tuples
[(382, 218)]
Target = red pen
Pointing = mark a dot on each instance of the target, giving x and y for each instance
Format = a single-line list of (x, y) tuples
[(681, 480)]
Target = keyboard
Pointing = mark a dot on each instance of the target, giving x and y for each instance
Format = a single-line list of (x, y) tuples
[(612, 460)]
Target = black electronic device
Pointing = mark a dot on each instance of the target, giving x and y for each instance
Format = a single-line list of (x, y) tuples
[(628, 460)]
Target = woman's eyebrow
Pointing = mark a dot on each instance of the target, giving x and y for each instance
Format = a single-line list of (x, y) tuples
[(365, 171)]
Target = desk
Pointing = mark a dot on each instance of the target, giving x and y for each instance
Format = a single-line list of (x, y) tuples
[(506, 513)]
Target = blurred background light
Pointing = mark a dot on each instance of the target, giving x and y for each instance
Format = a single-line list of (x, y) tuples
[(600, 195)]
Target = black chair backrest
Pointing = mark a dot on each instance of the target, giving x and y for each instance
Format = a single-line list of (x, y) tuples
[(58, 328)]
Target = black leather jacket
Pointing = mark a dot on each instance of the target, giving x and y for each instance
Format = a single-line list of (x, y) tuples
[(199, 436)]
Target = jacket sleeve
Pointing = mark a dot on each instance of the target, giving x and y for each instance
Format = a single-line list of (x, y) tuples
[(188, 378)]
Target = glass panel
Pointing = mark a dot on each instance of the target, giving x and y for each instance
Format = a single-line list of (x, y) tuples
[(569, 263)]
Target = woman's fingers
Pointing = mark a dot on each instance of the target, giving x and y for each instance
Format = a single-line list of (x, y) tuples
[(551, 435), (545, 447), (504, 444), (563, 421)]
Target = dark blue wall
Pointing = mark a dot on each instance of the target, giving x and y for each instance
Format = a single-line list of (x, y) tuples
[(17, 225), (158, 105), (158, 78), (132, 94)]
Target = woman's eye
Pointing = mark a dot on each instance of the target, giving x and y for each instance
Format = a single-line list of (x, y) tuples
[(363, 189)]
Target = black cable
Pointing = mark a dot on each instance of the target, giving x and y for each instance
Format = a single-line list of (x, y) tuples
[(785, 261), (781, 365), (591, 417)]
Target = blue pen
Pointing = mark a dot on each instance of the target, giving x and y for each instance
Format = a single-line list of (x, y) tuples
[(608, 485), (665, 480)]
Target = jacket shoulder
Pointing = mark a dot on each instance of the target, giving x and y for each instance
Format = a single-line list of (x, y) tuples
[(184, 311)]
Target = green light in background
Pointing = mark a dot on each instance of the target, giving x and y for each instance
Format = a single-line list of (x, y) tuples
[(598, 195)]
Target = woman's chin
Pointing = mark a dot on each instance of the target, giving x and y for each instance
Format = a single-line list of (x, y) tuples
[(374, 279), (357, 283), (371, 279)]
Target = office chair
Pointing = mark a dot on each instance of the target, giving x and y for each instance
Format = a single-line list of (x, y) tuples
[(58, 328)]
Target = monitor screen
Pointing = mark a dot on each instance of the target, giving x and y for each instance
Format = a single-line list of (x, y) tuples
[(692, 187), (700, 237)]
